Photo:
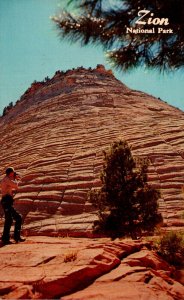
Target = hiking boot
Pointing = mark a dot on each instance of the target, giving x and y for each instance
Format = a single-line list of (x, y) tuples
[(7, 242), (20, 239)]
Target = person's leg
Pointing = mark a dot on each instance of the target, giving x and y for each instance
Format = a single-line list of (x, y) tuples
[(18, 222), (7, 224)]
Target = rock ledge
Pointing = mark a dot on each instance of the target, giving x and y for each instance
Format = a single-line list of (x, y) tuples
[(72, 268)]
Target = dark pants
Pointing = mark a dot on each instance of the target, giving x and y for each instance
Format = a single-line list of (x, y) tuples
[(10, 215)]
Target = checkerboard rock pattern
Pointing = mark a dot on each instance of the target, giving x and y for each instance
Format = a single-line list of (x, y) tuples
[(55, 136)]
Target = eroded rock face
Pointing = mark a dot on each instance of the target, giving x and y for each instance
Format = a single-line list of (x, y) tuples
[(72, 268), (55, 136)]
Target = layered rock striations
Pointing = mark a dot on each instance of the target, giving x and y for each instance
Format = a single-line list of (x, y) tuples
[(55, 135)]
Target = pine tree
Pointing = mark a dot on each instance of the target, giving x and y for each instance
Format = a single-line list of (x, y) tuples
[(126, 204), (104, 22)]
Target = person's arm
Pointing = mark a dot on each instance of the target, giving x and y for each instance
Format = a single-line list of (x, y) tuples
[(13, 184)]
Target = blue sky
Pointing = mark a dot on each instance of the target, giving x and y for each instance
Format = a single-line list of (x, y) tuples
[(31, 50)]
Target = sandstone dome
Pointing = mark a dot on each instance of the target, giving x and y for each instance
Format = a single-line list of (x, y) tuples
[(55, 135)]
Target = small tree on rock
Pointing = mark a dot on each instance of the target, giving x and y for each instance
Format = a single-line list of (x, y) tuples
[(126, 204)]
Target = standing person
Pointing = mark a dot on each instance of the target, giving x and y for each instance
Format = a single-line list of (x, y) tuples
[(9, 185)]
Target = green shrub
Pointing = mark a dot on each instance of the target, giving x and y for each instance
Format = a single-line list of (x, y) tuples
[(126, 204), (171, 248)]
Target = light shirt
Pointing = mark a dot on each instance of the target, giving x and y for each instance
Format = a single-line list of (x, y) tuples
[(8, 186)]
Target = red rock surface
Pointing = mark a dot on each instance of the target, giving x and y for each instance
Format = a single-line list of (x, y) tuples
[(54, 137), (72, 268)]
